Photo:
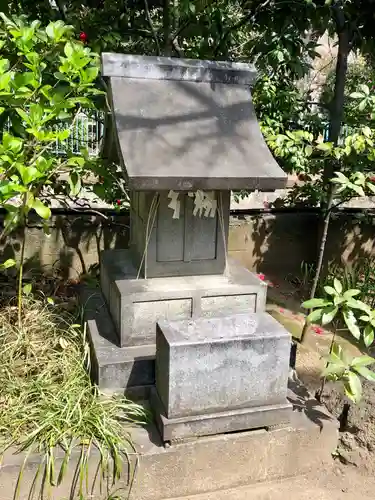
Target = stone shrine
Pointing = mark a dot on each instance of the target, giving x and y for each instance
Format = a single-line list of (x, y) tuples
[(186, 134)]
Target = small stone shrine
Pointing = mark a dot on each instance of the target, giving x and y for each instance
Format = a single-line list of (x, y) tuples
[(186, 134)]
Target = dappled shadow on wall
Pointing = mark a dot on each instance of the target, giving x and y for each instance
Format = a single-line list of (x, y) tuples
[(71, 250)]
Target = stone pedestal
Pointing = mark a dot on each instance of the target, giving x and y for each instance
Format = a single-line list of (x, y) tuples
[(217, 375), (137, 304)]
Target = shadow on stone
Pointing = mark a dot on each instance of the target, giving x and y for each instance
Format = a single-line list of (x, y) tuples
[(303, 401)]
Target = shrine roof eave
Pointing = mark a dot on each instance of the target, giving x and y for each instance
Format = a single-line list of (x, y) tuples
[(187, 125)]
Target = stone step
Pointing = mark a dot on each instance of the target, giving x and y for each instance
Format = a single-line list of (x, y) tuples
[(300, 488), (115, 368)]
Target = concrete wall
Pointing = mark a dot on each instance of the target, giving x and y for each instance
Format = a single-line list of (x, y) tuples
[(270, 243)]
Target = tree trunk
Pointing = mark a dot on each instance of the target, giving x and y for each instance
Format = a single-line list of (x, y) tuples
[(167, 28), (336, 111), (336, 108)]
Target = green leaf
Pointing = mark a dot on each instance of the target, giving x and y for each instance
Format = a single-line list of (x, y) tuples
[(28, 174), (279, 55), (313, 303), (7, 264), (336, 356), (337, 285), (368, 335), (325, 146), (339, 299), (50, 301), (76, 161), (330, 290), (23, 115), (351, 323), (192, 7), (365, 89), (365, 372), (340, 178), (27, 289), (68, 49), (42, 210), (333, 369), (351, 293), (367, 131), (358, 304), (364, 318), (315, 315), (328, 314), (362, 361), (357, 189), (355, 386), (356, 95), (63, 135), (74, 182), (362, 105), (60, 76), (349, 393), (91, 73)]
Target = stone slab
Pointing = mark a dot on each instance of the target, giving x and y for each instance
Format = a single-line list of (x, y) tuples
[(208, 464), (137, 304), (177, 429), (187, 135), (210, 365)]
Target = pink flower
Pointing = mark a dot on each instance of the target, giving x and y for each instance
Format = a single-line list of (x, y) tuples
[(318, 330), (282, 310), (261, 276)]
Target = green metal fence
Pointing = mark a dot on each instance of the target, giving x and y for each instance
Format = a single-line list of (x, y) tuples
[(87, 133)]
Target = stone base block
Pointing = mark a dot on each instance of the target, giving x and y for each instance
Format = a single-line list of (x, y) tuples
[(213, 365), (177, 429), (123, 369), (137, 304)]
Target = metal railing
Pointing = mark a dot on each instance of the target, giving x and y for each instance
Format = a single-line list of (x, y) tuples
[(87, 133)]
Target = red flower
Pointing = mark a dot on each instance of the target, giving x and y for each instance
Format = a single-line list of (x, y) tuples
[(118, 202), (261, 276), (83, 37), (318, 330)]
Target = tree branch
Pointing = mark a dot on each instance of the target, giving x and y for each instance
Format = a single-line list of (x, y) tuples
[(152, 27), (250, 16)]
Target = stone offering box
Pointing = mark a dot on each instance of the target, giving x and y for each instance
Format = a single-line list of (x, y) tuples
[(185, 134), (221, 375)]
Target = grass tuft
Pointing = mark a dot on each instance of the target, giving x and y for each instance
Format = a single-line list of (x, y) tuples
[(48, 403)]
